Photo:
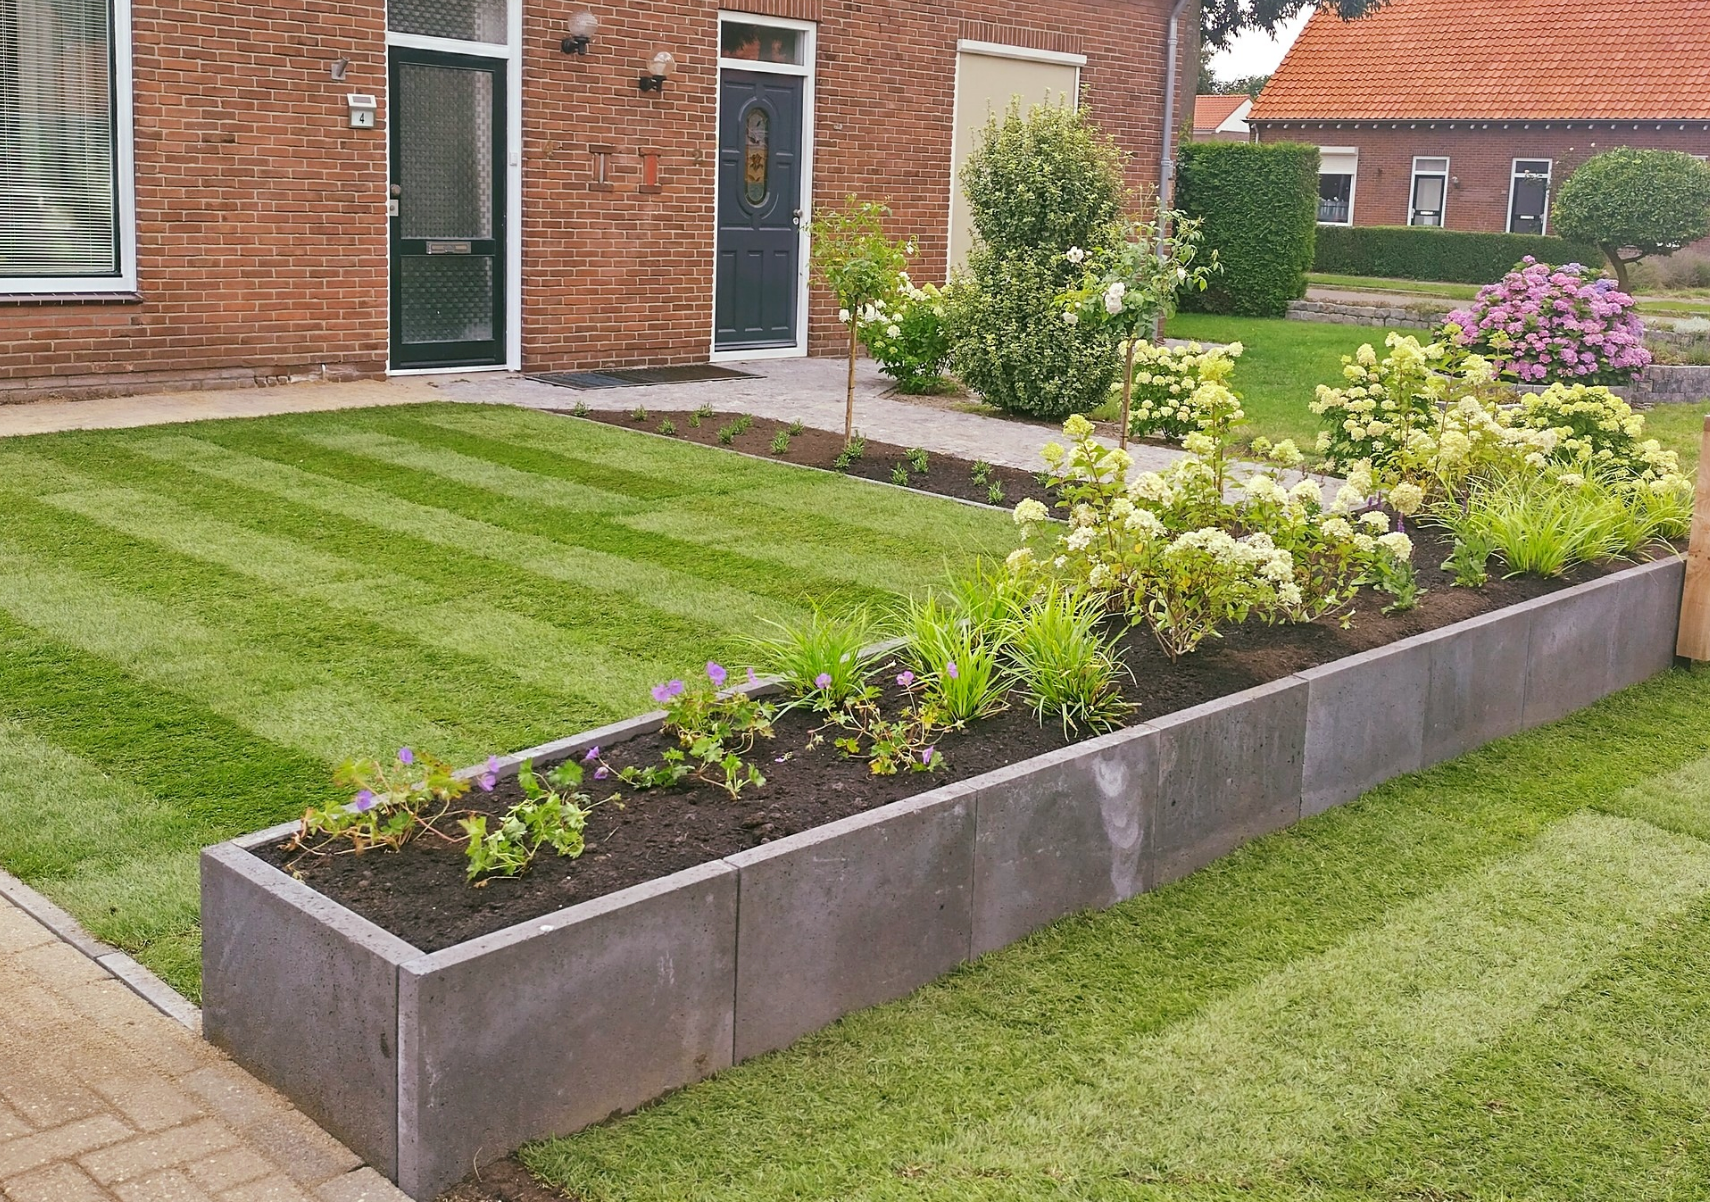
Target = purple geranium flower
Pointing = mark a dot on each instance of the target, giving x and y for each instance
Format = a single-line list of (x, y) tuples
[(593, 753), (752, 678), (487, 780), (601, 774), (675, 688), (716, 674), (905, 679), (365, 800), (406, 756), (662, 693), (823, 680), (926, 755)]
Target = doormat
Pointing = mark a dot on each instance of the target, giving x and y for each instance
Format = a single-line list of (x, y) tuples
[(638, 377)]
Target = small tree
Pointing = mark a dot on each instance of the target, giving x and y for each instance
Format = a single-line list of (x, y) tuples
[(853, 257), (1131, 287), (1642, 202)]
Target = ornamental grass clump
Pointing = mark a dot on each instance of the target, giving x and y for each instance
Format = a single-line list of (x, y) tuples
[(823, 660), (957, 664), (1541, 324), (1064, 663)]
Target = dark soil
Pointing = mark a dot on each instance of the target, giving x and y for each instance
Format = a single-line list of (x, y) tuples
[(945, 475), (420, 893), (502, 1181)]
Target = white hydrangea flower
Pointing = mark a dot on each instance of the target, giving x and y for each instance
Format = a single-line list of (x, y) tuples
[(1145, 523), (1336, 528), (1099, 576), (1406, 498), (1079, 538), (1030, 511), (1375, 520), (1398, 545), (1019, 560)]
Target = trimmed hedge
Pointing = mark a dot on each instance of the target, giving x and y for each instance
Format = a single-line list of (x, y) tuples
[(1260, 206), (1402, 252)]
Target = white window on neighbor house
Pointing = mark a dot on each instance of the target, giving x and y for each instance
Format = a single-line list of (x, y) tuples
[(1430, 191), (1529, 197), (66, 208), (1337, 168)]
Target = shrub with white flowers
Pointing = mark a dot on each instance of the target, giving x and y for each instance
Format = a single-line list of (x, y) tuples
[(1166, 402), (905, 333)]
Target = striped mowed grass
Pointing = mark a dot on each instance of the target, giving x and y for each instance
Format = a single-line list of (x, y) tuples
[(198, 621), (1485, 983)]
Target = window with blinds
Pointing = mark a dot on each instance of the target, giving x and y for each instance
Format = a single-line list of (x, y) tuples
[(59, 213)]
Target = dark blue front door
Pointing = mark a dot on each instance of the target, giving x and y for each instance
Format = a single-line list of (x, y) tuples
[(759, 210)]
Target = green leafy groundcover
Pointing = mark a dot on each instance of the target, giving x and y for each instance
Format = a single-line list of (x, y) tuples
[(1453, 256), (1488, 981), (1260, 206), (198, 621)]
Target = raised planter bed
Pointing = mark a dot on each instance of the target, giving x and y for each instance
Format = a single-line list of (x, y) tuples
[(428, 1062)]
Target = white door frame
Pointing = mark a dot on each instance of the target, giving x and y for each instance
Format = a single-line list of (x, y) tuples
[(1413, 185), (810, 57), (1513, 182), (511, 52)]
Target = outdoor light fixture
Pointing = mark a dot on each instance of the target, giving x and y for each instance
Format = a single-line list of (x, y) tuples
[(339, 67), (582, 27), (657, 70)]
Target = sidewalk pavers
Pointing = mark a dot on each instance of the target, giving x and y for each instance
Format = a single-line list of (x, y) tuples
[(104, 1098)]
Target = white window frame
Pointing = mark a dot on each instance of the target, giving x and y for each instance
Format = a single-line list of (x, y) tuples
[(1513, 182), (1353, 177), (805, 71), (125, 186), (1413, 185), (995, 50), (512, 52)]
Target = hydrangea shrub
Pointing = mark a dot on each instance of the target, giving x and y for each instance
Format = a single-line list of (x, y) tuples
[(907, 336), (1167, 400), (1542, 324)]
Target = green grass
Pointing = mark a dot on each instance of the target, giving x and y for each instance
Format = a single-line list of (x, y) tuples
[(1281, 366), (198, 621), (1675, 303), (1490, 981)]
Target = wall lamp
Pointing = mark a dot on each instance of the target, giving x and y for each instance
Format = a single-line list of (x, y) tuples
[(582, 27), (657, 70)]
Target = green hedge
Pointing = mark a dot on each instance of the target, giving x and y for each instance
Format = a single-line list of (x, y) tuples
[(1403, 252), (1260, 205)]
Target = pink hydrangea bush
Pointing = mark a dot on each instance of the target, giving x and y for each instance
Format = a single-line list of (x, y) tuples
[(1544, 324)]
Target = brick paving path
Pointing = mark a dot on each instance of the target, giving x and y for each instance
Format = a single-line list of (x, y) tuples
[(103, 1098)]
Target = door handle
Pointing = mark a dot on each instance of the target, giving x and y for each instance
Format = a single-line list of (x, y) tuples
[(796, 218)]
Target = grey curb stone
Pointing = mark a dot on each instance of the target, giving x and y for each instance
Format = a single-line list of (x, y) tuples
[(562, 1021), (1063, 832), (1365, 722), (847, 915), (1644, 638), (304, 994), (1478, 683), (1571, 649), (1228, 772)]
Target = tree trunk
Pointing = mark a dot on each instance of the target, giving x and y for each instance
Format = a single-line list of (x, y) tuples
[(1127, 391), (1623, 278), (849, 399)]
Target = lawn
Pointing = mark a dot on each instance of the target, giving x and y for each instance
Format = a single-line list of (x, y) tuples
[(198, 621), (1489, 981), (1675, 303)]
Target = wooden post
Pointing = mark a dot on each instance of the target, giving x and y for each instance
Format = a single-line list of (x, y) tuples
[(849, 397), (1693, 642)]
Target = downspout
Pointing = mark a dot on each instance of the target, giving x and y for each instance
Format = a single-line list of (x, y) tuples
[(1167, 159)]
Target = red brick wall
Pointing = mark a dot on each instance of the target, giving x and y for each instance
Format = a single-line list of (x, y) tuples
[(262, 230), (1482, 159)]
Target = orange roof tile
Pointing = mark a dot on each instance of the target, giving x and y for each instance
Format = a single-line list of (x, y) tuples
[(1532, 60), (1211, 111)]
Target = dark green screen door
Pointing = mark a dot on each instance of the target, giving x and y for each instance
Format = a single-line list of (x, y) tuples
[(448, 231)]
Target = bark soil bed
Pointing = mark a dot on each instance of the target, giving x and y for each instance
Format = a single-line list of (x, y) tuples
[(420, 893), (945, 475)]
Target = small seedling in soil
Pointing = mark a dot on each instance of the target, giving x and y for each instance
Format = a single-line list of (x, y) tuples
[(667, 427), (796, 428), (849, 454), (695, 419), (1045, 478), (704, 411), (726, 435), (581, 409), (982, 471), (639, 413), (781, 442), (917, 460), (743, 424), (994, 494), (899, 474)]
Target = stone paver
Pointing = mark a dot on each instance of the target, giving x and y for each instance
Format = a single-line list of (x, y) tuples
[(105, 1099)]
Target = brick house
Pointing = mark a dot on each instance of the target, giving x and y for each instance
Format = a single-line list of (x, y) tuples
[(1469, 115), (198, 193), (1219, 118)]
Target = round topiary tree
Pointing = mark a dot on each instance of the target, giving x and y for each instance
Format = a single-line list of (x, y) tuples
[(1634, 204), (1042, 182)]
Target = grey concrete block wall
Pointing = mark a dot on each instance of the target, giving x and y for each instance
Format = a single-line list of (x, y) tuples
[(304, 994), (1067, 831), (1572, 648), (1478, 683), (1365, 722), (1644, 638), (1228, 772), (851, 914), (562, 1021)]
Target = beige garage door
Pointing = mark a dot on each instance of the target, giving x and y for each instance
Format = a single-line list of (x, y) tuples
[(988, 77)]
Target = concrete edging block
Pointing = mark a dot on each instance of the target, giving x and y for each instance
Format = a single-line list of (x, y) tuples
[(847, 915), (1228, 771), (1645, 638), (1478, 683), (1063, 832), (304, 994), (1365, 722), (563, 1021)]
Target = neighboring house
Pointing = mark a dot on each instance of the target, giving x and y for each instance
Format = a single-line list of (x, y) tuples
[(197, 194), (1222, 118), (1469, 116)]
